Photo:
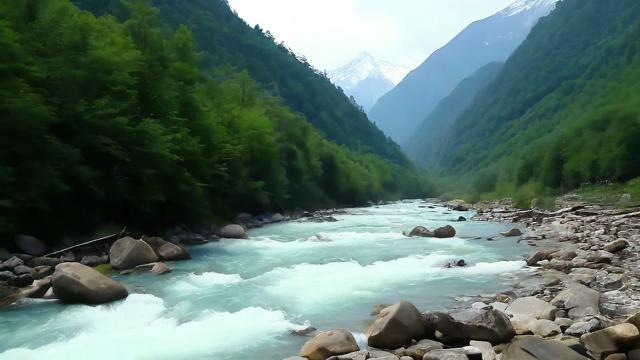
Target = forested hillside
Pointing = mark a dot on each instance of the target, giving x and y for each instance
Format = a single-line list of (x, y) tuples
[(113, 120), (565, 109), (225, 39), (422, 145)]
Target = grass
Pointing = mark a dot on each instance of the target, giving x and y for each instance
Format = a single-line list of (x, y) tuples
[(620, 195)]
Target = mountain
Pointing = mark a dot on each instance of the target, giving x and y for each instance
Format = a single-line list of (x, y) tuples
[(367, 79), (399, 112), (422, 145), (565, 109), (225, 39)]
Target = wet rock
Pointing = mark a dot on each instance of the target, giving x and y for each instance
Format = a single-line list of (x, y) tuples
[(94, 260), (303, 331), (531, 307), (22, 269), (610, 340), (277, 217), (8, 296), (11, 263), (77, 283), (167, 251), (329, 343), (232, 231), (616, 246), (444, 232), (377, 308), (127, 253), (160, 268), (492, 326), (462, 218), (396, 326), (511, 233), (578, 300), (419, 231)]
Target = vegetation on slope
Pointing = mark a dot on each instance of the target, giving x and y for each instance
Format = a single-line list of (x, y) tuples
[(109, 120)]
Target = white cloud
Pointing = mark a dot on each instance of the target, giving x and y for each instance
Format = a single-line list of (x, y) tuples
[(330, 33)]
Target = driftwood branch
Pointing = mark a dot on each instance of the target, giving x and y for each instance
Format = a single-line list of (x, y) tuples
[(90, 242)]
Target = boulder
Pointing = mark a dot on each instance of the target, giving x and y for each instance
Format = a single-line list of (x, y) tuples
[(167, 251), (277, 217), (419, 231), (535, 348), (611, 340), (22, 269), (38, 288), (605, 281), (243, 218), (538, 256), (329, 343), (531, 307), (396, 326), (616, 246), (488, 353), (511, 233), (418, 350), (20, 281), (77, 283), (491, 325), (582, 327), (544, 328), (160, 268), (600, 257), (448, 354), (94, 260), (11, 263), (578, 300), (30, 245), (619, 303), (127, 253), (232, 231), (44, 261), (444, 232)]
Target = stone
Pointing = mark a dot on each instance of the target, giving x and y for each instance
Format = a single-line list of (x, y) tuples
[(488, 353), (419, 231), (232, 231), (448, 354), (535, 348), (277, 217), (6, 275), (22, 269), (563, 322), (30, 245), (619, 356), (618, 303), (42, 271), (616, 246), (44, 261), (329, 343), (418, 350), (492, 326), (538, 256), (11, 263), (634, 319), (444, 232), (579, 328), (396, 326), (600, 257), (94, 260), (377, 309), (127, 253), (167, 251), (243, 218), (20, 281), (578, 300), (531, 307), (511, 233), (76, 283), (303, 331), (544, 328), (8, 296), (605, 281), (461, 218), (38, 289), (610, 340)]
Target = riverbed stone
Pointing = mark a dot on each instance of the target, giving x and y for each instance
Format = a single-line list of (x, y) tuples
[(418, 350), (537, 257), (488, 353), (544, 328), (511, 233), (619, 303), (582, 327), (419, 231), (491, 325), (395, 326), (610, 340), (22, 269), (531, 307), (535, 348), (167, 251), (329, 343), (448, 354), (232, 231), (616, 246), (446, 231), (94, 260), (127, 253), (76, 283), (578, 300), (11, 263)]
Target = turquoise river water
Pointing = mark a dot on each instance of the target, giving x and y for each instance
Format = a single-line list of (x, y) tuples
[(238, 299)]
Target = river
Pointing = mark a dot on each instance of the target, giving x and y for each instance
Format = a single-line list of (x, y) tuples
[(237, 299)]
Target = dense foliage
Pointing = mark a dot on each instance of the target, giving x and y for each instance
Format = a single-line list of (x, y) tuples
[(225, 39), (107, 119), (564, 111)]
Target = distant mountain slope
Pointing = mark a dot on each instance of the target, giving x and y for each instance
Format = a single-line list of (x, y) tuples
[(226, 39), (566, 107), (367, 79), (399, 112), (422, 145)]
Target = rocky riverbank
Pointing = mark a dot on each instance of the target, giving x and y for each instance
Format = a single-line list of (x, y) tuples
[(580, 299)]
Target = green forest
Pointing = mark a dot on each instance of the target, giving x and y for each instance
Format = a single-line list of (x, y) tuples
[(564, 111), (128, 119)]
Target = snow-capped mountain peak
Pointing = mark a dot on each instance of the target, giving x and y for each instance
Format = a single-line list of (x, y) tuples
[(527, 5), (365, 66)]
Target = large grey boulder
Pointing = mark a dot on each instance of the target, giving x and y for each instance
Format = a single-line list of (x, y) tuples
[(77, 283), (232, 231), (610, 340), (578, 300), (418, 350), (395, 326), (535, 348), (511, 233), (127, 253), (491, 325), (531, 307), (329, 343), (616, 246), (10, 263), (446, 231), (167, 251)]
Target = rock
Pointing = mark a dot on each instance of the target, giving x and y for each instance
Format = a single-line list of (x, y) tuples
[(21, 281), (329, 343), (534, 348), (418, 350), (492, 326), (8, 296), (127, 253), (356, 355), (618, 303), (38, 289), (449, 354), (77, 283), (444, 232), (42, 271), (462, 218), (619, 356), (563, 322), (277, 217), (544, 328), (6, 275), (616, 246), (11, 263), (579, 328), (22, 269), (232, 231), (634, 319), (600, 257), (511, 233), (488, 353), (296, 358), (605, 281), (44, 261), (420, 231), (578, 300), (531, 307), (377, 309), (167, 251), (243, 218), (303, 331), (396, 326), (93, 260), (30, 245), (538, 256), (610, 340), (160, 268)]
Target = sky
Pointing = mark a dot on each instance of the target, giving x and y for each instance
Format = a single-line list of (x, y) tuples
[(330, 33)]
